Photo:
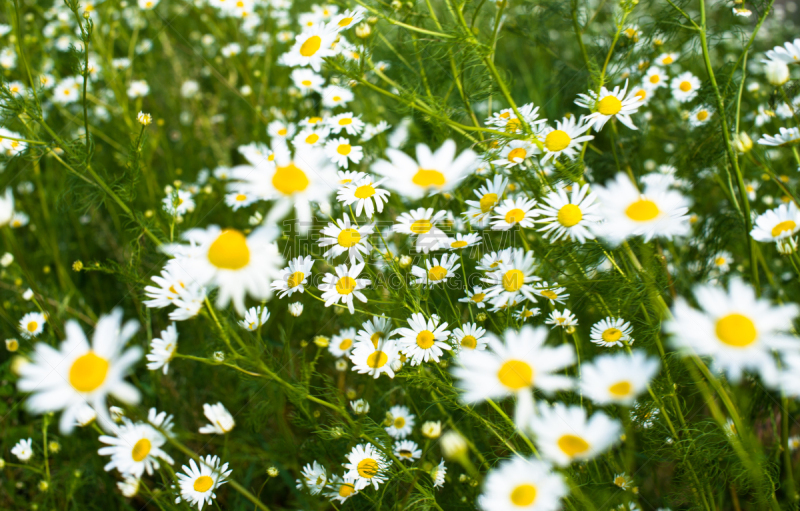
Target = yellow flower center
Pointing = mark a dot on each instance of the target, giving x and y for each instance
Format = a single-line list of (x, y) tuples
[(364, 192), (345, 21), (685, 86), (518, 153), (310, 46), (346, 285), (515, 374), (345, 490), (643, 210), (513, 280), (654, 79), (548, 294), (399, 422), (513, 124), (290, 179), (572, 445), (421, 226), (377, 359), (557, 140), (523, 495), (428, 177), (312, 138), (702, 115), (307, 83), (282, 132), (344, 149), (203, 484), (736, 330), (641, 94), (459, 244), (469, 342), (609, 105), (32, 326), (425, 339), (437, 273), (376, 338), (348, 238), (88, 372), (569, 215), (140, 449), (667, 60), (612, 335), (367, 468), (314, 120), (488, 201), (345, 344), (514, 216), (621, 389), (229, 251), (786, 225), (478, 297), (296, 279)]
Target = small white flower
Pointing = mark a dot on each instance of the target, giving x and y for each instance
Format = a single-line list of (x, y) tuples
[(221, 420)]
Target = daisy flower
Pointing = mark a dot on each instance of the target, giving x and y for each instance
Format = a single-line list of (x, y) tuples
[(402, 422), (421, 223), (617, 379), (342, 488), (617, 103), (778, 225), (220, 418), (77, 373), (375, 330), (789, 53), (197, 483), (344, 285), (509, 121), (348, 18), (490, 261), (525, 313), (611, 332), (136, 448), (655, 212), (562, 319), (721, 261), (239, 200), (654, 79), (488, 196), (334, 95), (684, 87), (784, 137), (469, 337), (565, 434), (522, 484), (430, 173), (254, 318), (129, 486), (348, 176), (342, 343), (341, 152), (366, 466), (23, 450), (369, 358), (475, 297), (407, 450), (437, 271), (314, 478), (365, 194), (568, 217), (437, 474), (553, 292), (281, 130), (666, 59), (514, 212), (307, 80), (32, 324), (464, 240), (737, 330), (566, 138), (342, 236), (515, 153), (311, 47), (512, 279), (236, 264), (313, 137), (294, 277), (424, 340), (700, 116), (162, 350), (350, 123)]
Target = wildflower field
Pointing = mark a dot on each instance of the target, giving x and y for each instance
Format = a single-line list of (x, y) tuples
[(500, 255)]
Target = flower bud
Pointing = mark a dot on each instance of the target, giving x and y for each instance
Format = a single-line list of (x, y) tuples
[(742, 142), (454, 446), (777, 72)]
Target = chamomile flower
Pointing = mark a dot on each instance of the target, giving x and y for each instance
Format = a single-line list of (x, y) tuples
[(526, 313), (789, 53), (375, 330), (786, 136), (522, 484), (684, 87), (778, 225), (424, 340), (77, 373), (32, 324), (618, 103), (281, 130), (430, 173), (514, 212), (221, 420), (294, 277), (344, 285), (462, 241), (721, 262), (511, 281), (350, 123), (407, 450), (561, 319), (311, 47), (348, 18), (736, 329), (436, 271), (552, 292), (307, 80), (315, 478), (654, 79), (135, 448), (666, 59), (565, 434), (343, 342), (402, 422), (437, 474), (366, 466), (313, 137), (610, 332), (569, 217), (375, 358), (238, 200), (198, 483), (348, 176), (489, 194), (491, 260), (700, 116), (655, 212), (508, 120), (421, 223), (341, 152), (342, 236), (469, 337), (365, 194), (475, 297), (566, 138), (617, 379), (334, 95), (163, 349), (515, 153), (254, 318), (23, 450)]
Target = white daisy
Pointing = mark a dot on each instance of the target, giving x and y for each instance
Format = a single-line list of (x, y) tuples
[(421, 223), (32, 324), (136, 448), (343, 342), (569, 217), (515, 153), (307, 80), (462, 241), (563, 319), (610, 332), (162, 350), (700, 116), (366, 195), (786, 136), (197, 483), (526, 313), (366, 466), (407, 450), (436, 271), (666, 59), (511, 281), (220, 418), (684, 87), (341, 488), (789, 53), (254, 318), (491, 260), (508, 120), (334, 95), (475, 297), (566, 138), (348, 18), (344, 285), (489, 195), (341, 152), (514, 212), (425, 340), (350, 123), (23, 450), (552, 292), (294, 277), (311, 47), (368, 358), (617, 379), (342, 236), (437, 474), (375, 330), (402, 422), (617, 103), (522, 484), (348, 176), (314, 478), (313, 137), (281, 130), (654, 79), (469, 337)]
